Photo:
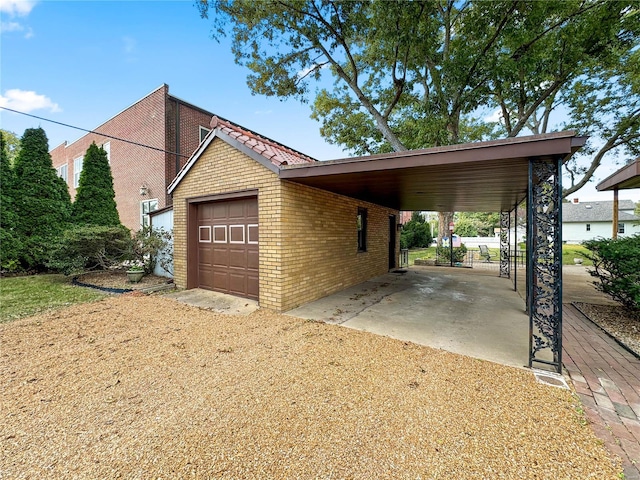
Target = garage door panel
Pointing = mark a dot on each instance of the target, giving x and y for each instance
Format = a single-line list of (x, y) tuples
[(238, 258), (253, 259), (228, 258)]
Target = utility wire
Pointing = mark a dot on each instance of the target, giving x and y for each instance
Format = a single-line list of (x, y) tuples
[(97, 133)]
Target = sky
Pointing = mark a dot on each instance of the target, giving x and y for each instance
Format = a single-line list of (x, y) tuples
[(82, 62)]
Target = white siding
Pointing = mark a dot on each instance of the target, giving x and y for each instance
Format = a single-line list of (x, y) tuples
[(577, 232), (163, 221)]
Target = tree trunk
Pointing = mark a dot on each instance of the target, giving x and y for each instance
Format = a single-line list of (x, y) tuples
[(444, 218)]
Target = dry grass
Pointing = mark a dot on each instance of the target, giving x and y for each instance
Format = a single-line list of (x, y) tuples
[(144, 387)]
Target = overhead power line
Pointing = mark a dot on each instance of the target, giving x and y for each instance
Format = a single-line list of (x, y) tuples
[(93, 131)]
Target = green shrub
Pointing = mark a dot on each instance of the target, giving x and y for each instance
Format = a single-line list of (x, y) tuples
[(149, 244), (616, 264), (90, 248), (444, 254), (416, 233)]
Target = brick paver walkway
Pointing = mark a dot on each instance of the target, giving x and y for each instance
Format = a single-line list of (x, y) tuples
[(607, 379)]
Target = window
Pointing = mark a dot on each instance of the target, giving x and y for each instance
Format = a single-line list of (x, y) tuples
[(620, 227), (147, 206), (362, 229), (77, 169), (62, 172), (588, 227), (106, 146), (203, 133)]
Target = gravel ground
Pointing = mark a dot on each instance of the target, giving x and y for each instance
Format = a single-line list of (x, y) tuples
[(139, 386), (619, 322)]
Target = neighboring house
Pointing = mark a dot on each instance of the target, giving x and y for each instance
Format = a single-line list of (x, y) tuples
[(172, 127), (588, 220), (241, 229)]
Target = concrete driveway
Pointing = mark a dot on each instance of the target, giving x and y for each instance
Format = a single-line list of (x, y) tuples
[(466, 311)]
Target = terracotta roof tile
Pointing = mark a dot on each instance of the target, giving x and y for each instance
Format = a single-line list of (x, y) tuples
[(273, 151)]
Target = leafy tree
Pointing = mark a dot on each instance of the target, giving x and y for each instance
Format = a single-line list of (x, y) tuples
[(423, 73), (472, 224), (42, 202), (9, 241), (12, 143), (95, 198)]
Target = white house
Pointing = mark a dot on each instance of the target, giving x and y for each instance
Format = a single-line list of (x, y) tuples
[(588, 220)]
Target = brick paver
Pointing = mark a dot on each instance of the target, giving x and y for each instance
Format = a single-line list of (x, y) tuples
[(607, 380)]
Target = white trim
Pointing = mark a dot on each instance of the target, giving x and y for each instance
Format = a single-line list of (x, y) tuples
[(249, 234), (224, 229), (231, 236), (208, 229), (76, 172)]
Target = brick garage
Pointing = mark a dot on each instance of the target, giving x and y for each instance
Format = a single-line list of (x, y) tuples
[(308, 237)]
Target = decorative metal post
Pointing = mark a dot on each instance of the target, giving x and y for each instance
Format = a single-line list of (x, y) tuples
[(544, 263), (515, 248), (505, 218)]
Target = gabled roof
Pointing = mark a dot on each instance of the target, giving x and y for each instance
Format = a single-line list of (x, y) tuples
[(596, 211), (265, 151)]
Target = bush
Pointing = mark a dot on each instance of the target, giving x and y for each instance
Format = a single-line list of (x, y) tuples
[(444, 254), (416, 233), (149, 244), (89, 248), (616, 264)]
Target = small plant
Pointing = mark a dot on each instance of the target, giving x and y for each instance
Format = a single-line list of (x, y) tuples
[(150, 244)]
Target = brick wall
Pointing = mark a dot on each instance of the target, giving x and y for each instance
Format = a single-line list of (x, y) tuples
[(308, 237), (320, 243), (150, 121)]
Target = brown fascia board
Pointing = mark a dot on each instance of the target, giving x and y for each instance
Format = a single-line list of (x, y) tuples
[(547, 145), (619, 178)]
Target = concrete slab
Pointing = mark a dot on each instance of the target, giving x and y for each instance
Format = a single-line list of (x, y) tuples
[(215, 301), (460, 310)]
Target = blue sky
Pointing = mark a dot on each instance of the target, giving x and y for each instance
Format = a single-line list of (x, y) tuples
[(81, 62)]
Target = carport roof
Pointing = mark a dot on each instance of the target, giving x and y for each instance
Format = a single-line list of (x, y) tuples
[(482, 176), (625, 178)]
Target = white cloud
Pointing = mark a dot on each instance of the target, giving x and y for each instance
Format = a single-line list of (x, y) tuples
[(11, 27), (308, 70), (496, 116), (17, 8), (27, 101)]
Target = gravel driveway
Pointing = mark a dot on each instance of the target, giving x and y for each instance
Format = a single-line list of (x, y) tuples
[(145, 387)]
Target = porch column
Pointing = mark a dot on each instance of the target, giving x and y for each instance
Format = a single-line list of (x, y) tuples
[(616, 213), (515, 248), (505, 220), (544, 263)]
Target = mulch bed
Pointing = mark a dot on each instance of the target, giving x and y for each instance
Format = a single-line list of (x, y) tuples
[(617, 321), (118, 279)]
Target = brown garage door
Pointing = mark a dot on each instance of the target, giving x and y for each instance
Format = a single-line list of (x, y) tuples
[(228, 246)]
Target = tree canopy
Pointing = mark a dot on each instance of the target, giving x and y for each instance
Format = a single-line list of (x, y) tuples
[(427, 73), (95, 197)]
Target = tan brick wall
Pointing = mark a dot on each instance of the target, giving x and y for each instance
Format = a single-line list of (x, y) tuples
[(223, 169), (308, 237), (320, 243)]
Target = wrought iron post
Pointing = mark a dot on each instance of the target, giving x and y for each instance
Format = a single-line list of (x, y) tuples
[(544, 263), (515, 248), (505, 218)]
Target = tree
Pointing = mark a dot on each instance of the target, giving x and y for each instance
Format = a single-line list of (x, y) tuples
[(472, 224), (420, 74), (95, 198), (416, 232), (42, 202), (12, 144), (9, 240)]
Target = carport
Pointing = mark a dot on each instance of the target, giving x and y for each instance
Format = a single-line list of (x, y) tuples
[(484, 176), (625, 178)]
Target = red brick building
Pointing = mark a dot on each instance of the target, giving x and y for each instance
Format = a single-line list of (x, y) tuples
[(164, 130)]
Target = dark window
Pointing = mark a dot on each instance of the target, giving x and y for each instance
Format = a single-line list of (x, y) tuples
[(620, 227), (362, 229), (588, 227)]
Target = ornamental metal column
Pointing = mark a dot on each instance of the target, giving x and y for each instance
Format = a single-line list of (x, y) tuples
[(544, 263), (515, 249), (505, 219)]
